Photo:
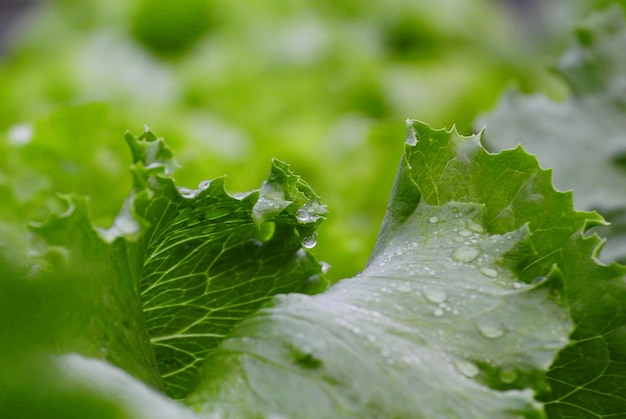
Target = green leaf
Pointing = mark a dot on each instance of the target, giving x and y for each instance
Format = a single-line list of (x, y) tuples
[(587, 377), (180, 267), (582, 139), (42, 311), (459, 313), (211, 259), (106, 321), (480, 299), (412, 336), (113, 386)]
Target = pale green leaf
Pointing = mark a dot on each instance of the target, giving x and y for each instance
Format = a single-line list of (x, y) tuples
[(584, 138)]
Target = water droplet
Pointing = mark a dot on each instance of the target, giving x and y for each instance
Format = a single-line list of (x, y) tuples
[(508, 376), (325, 267), (310, 242), (475, 227), (466, 368), (404, 288), (186, 192), (438, 312), (314, 279), (465, 254), (518, 285), (303, 216), (204, 184), (491, 273), (490, 329), (435, 296), (301, 253), (411, 135), (465, 233), (433, 219), (310, 212)]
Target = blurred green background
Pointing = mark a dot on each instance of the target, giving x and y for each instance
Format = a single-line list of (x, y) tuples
[(323, 85)]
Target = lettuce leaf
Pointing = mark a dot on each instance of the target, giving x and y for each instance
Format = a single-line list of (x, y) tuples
[(180, 267), (481, 298), (460, 311), (582, 139)]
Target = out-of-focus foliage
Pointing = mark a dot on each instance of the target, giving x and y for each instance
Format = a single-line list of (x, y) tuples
[(233, 84)]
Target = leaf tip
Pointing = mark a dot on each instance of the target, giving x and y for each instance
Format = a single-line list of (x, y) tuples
[(411, 134), (151, 150)]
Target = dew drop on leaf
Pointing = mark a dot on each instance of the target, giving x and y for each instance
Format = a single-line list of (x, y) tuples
[(303, 216), (491, 330), (489, 272), (475, 227), (411, 135), (204, 184), (466, 368), (508, 376), (186, 192), (314, 279), (435, 296), (325, 267), (465, 254), (433, 219), (310, 242), (310, 212), (241, 195), (404, 288)]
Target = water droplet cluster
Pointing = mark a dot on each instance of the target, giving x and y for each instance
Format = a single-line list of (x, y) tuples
[(443, 274), (310, 212)]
